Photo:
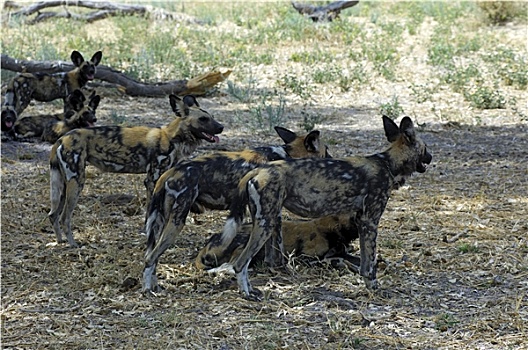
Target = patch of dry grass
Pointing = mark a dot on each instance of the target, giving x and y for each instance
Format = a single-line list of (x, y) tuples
[(453, 239)]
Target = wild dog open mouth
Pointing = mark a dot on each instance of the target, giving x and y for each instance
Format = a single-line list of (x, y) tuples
[(210, 138), (90, 76)]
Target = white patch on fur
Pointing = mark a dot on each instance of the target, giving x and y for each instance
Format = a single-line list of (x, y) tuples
[(280, 151), (174, 194), (347, 176), (69, 174), (9, 99), (225, 267), (55, 188), (230, 230), (255, 196)]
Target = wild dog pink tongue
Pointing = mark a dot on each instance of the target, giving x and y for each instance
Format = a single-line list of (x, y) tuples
[(216, 138)]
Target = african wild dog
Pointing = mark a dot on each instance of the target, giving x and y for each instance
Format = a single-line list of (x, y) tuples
[(44, 87), (324, 238), (116, 149), (355, 186), (51, 127), (209, 181)]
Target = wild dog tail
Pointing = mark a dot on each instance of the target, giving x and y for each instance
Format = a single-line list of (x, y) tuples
[(156, 216), (237, 210), (57, 184)]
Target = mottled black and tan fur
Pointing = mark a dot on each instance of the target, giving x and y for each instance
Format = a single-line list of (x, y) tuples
[(51, 127), (325, 238), (355, 186), (25, 87), (116, 149), (209, 181)]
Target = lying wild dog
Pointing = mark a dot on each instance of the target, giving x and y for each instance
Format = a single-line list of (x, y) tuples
[(355, 186), (323, 238), (116, 149), (44, 87), (209, 181), (51, 127)]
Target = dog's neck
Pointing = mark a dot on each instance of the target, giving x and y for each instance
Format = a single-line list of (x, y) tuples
[(397, 173)]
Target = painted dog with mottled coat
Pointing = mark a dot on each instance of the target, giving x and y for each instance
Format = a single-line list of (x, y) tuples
[(117, 149), (327, 238), (44, 87), (51, 127), (359, 187), (209, 181)]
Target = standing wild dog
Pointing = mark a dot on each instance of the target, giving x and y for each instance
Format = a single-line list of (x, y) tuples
[(51, 127), (355, 186), (44, 87), (209, 181), (323, 238), (116, 149)]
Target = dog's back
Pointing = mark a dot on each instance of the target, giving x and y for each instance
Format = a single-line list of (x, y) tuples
[(210, 181)]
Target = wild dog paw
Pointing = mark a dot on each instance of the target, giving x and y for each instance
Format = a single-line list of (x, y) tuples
[(152, 290), (253, 295), (371, 284)]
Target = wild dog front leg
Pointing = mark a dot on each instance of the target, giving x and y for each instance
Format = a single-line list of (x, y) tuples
[(368, 232)]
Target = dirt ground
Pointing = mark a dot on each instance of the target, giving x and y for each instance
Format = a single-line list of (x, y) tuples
[(437, 291), (454, 240)]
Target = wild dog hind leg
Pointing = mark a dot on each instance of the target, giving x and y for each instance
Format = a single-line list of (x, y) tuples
[(57, 197), (265, 197), (172, 199)]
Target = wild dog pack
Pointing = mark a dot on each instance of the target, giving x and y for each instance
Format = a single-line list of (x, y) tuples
[(210, 181), (25, 87), (51, 127), (355, 186)]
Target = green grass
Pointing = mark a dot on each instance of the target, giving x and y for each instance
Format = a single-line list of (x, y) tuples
[(364, 47)]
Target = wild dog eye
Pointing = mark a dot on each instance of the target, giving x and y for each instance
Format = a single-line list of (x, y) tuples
[(203, 119)]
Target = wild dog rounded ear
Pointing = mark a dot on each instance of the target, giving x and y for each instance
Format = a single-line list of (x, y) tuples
[(311, 141), (392, 132), (176, 104), (77, 58), (190, 100), (286, 135), (94, 102), (407, 129), (96, 58)]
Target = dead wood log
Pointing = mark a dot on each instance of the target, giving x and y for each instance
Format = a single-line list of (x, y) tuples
[(197, 86), (103, 9), (323, 13)]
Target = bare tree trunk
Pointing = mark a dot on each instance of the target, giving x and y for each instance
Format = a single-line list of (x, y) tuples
[(103, 9), (323, 13), (196, 86)]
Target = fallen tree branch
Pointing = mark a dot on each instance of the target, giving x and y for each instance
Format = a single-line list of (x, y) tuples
[(104, 9), (197, 86), (323, 13)]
